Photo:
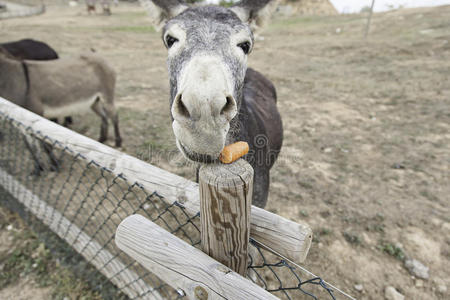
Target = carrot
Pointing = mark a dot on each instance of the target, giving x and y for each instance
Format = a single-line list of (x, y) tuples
[(233, 152)]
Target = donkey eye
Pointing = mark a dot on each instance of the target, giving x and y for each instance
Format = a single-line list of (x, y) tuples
[(170, 40), (245, 46)]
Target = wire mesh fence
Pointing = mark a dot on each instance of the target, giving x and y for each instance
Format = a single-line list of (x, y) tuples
[(83, 202)]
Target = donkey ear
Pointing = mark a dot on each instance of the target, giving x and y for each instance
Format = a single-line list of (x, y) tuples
[(160, 11), (255, 12)]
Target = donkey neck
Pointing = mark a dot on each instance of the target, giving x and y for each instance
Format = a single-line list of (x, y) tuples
[(9, 64), (238, 125), (13, 80), (10, 70)]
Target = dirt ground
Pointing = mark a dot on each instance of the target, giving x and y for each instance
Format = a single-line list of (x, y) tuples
[(366, 154), (18, 292)]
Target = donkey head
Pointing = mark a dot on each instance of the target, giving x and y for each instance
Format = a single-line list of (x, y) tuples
[(207, 61)]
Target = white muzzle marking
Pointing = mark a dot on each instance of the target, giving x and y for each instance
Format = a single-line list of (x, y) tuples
[(204, 106)]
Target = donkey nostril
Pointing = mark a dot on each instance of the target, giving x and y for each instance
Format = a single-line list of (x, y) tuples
[(229, 106), (181, 108)]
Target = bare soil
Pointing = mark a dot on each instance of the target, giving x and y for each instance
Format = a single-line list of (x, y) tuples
[(366, 154), (18, 292)]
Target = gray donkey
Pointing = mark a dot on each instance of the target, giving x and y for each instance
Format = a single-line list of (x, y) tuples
[(215, 99), (62, 87)]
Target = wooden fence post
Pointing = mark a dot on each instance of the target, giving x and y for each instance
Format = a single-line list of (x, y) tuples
[(225, 205)]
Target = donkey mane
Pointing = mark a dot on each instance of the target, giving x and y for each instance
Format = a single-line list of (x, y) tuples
[(8, 55)]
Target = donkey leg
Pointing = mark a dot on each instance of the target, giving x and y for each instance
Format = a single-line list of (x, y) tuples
[(112, 114), (115, 120), (35, 105), (52, 158), (67, 121), (261, 183), (117, 133), (38, 166), (98, 108)]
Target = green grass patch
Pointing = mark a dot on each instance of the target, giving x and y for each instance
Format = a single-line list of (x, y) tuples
[(131, 15), (352, 238), (135, 29), (392, 250), (31, 258), (304, 213), (321, 233)]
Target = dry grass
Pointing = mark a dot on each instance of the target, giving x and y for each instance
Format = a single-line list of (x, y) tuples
[(367, 122)]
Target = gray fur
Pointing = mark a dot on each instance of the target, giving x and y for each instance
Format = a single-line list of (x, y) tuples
[(162, 10), (255, 12), (60, 83), (252, 6), (208, 31), (167, 5)]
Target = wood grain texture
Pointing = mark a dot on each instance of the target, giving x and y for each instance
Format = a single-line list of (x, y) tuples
[(181, 265), (109, 265), (225, 202), (290, 239)]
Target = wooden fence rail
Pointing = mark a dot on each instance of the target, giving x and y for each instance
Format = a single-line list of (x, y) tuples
[(187, 269), (290, 239)]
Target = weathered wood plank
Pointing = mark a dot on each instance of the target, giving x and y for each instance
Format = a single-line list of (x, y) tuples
[(181, 265), (225, 202), (112, 267), (290, 239)]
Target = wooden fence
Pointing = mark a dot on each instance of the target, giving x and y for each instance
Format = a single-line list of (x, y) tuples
[(185, 268)]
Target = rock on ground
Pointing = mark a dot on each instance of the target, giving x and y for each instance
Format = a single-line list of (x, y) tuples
[(359, 287), (416, 268), (390, 293), (441, 285)]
